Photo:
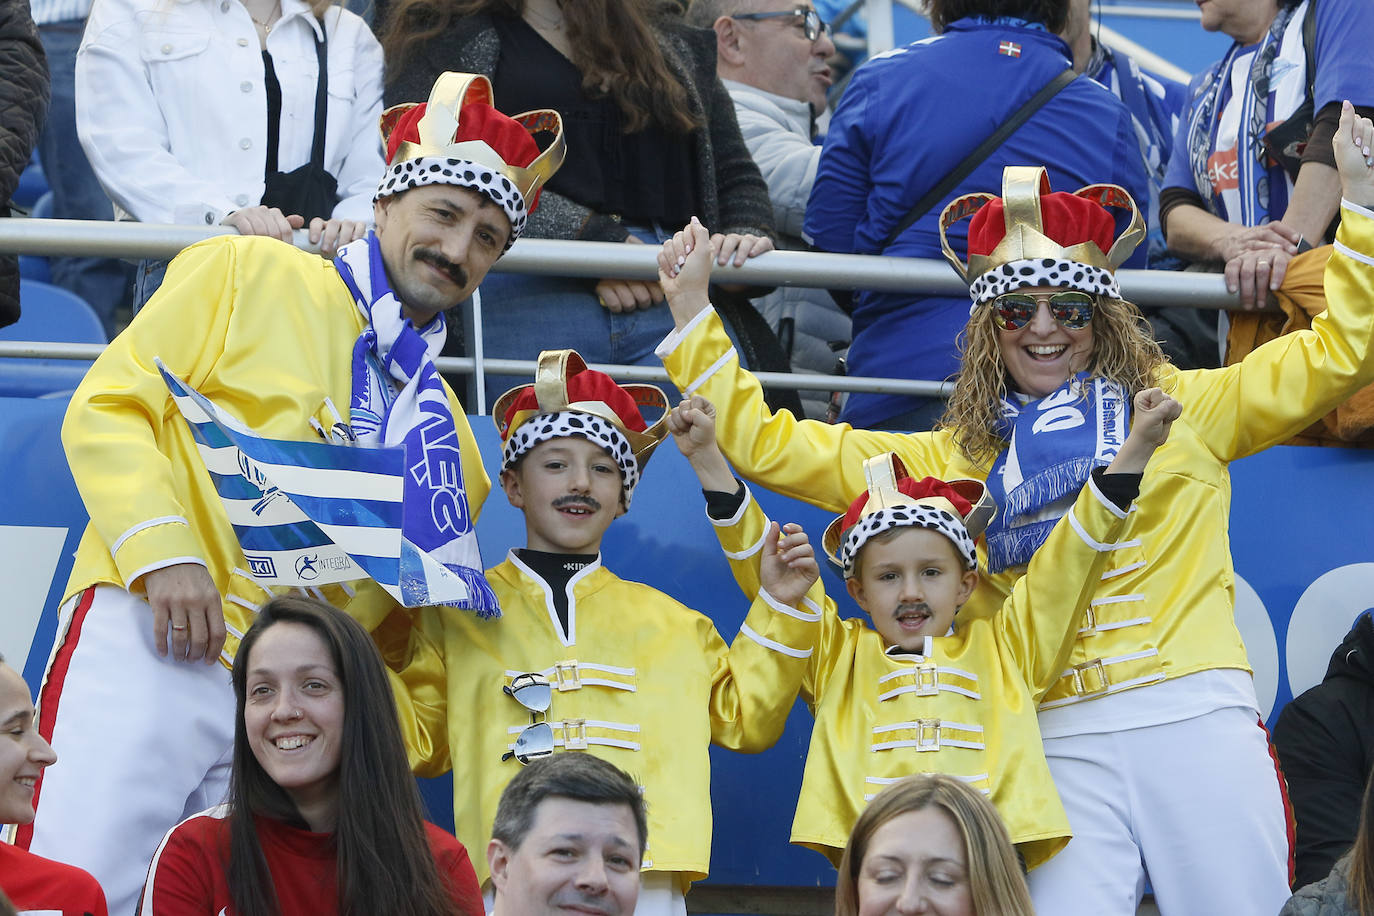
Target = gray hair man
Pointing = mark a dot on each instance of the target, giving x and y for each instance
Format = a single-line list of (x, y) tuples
[(772, 56)]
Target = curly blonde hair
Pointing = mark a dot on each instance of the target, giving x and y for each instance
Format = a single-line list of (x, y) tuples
[(1123, 351)]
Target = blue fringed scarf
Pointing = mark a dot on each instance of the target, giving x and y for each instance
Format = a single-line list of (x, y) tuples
[(437, 524), (1053, 445)]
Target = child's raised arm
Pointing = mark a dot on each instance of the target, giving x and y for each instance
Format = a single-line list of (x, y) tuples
[(1155, 411), (788, 567), (693, 425), (684, 271), (787, 564)]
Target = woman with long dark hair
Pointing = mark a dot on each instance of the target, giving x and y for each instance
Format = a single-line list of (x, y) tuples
[(323, 814), (652, 141)]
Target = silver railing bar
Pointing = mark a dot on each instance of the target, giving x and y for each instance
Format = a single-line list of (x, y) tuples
[(525, 368), (42, 349), (556, 257)]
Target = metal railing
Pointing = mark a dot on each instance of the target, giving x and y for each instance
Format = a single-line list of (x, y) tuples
[(552, 257), (556, 257)]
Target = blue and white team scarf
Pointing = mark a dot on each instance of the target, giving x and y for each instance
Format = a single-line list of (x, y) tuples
[(1053, 445), (437, 521), (1261, 188), (308, 514)]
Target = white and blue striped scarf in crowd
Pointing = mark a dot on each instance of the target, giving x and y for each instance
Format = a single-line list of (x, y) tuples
[(314, 513), (1261, 185), (1053, 445), (391, 352)]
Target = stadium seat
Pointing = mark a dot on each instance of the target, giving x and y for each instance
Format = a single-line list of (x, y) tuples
[(33, 184), (52, 314), (32, 266)]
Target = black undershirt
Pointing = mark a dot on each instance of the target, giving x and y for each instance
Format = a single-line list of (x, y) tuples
[(556, 569)]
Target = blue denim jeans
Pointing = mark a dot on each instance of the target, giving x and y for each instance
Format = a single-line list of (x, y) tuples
[(76, 194), (147, 278), (524, 314)]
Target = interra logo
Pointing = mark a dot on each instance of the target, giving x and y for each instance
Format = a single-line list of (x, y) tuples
[(1223, 171)]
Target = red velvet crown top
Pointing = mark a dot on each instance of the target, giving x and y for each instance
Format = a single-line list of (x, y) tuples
[(587, 385), (917, 489), (1066, 218), (511, 141)]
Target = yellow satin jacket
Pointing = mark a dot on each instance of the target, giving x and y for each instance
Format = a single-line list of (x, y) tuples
[(964, 706), (1166, 608), (639, 679), (264, 330)]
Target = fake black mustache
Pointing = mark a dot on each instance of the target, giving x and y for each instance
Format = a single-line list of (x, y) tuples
[(447, 267), (918, 606), (590, 503)]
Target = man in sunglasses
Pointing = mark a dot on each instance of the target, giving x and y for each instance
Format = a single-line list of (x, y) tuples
[(773, 58), (1151, 732), (584, 661)]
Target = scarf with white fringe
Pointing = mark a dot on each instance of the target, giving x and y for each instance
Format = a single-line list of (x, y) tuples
[(1053, 444), (436, 519)]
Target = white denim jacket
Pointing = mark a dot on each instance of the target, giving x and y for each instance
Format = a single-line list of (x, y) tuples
[(172, 111)]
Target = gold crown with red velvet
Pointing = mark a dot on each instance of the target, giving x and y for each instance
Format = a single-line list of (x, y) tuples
[(1031, 236), (457, 137), (958, 509)]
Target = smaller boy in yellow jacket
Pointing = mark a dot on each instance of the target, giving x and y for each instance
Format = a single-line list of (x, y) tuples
[(921, 690)]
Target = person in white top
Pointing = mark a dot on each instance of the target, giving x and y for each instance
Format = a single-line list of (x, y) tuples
[(175, 104)]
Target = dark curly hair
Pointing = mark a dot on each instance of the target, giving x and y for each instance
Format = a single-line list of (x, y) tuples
[(1053, 13)]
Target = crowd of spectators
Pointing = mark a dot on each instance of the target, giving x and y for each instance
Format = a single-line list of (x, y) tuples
[(260, 115)]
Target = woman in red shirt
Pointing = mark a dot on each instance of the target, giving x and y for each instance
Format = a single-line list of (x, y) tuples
[(323, 814)]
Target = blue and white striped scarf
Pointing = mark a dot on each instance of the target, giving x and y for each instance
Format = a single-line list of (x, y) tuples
[(389, 353), (1053, 445), (1261, 185)]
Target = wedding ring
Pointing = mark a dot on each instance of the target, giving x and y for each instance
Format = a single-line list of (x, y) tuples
[(177, 628)]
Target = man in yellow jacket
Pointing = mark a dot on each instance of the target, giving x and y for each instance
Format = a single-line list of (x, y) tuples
[(583, 661), (280, 340)]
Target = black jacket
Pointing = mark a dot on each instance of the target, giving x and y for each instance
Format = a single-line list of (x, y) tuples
[(1325, 742), (736, 198), (23, 104)]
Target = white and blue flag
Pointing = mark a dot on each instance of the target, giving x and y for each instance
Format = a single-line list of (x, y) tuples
[(313, 513)]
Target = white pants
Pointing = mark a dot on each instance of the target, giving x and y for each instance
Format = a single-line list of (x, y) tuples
[(142, 742), (658, 896), (1196, 806)]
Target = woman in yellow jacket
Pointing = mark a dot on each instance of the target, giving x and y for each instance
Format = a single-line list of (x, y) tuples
[(1177, 778)]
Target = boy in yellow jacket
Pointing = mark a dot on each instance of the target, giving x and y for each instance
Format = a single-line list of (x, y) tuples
[(583, 661), (922, 690)]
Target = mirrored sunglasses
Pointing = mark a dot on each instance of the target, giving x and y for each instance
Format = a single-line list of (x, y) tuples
[(533, 692), (810, 20), (1072, 309)]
